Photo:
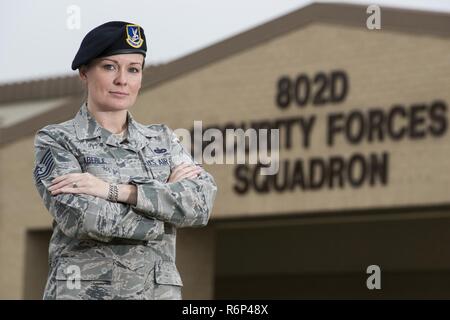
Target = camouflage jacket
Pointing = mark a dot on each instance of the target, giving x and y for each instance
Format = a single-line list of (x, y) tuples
[(106, 250)]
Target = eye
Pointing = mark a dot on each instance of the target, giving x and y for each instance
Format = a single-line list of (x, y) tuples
[(109, 67), (134, 70)]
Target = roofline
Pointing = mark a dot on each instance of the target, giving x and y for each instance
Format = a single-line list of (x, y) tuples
[(30, 126), (393, 19), (43, 89)]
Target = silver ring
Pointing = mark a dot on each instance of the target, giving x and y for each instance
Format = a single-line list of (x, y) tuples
[(74, 185)]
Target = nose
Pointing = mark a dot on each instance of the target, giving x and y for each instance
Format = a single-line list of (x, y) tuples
[(121, 78)]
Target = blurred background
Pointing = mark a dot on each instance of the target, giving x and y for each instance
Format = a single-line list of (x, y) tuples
[(360, 206)]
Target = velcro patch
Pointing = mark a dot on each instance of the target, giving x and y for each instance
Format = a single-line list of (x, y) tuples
[(160, 150), (94, 160), (158, 162), (45, 166)]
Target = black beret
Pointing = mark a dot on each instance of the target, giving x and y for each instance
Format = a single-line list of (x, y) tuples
[(114, 37)]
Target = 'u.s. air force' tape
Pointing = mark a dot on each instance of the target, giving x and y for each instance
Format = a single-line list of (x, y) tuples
[(45, 166)]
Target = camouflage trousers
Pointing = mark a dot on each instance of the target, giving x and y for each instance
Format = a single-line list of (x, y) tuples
[(105, 279)]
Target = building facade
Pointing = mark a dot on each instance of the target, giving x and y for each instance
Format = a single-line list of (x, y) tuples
[(364, 148)]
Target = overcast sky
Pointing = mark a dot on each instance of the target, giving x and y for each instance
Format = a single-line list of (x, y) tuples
[(36, 41)]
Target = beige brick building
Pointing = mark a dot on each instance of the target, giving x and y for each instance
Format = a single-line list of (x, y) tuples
[(364, 175)]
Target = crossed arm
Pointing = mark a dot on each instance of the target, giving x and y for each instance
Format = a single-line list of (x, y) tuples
[(143, 207)]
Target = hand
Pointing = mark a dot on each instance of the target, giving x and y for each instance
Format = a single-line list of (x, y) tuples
[(85, 183), (183, 171)]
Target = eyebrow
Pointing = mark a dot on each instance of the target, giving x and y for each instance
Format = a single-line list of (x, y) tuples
[(118, 61)]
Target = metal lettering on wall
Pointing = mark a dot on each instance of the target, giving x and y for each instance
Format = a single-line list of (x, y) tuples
[(354, 126)]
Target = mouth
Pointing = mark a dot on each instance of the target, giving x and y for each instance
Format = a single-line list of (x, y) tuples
[(119, 93)]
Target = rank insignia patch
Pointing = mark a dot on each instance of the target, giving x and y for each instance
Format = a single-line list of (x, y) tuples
[(45, 166)]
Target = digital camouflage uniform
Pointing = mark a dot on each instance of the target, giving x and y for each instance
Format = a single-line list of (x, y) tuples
[(105, 250)]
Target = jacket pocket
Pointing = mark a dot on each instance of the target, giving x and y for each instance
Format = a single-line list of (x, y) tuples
[(101, 167), (166, 273), (162, 173), (87, 279), (159, 166)]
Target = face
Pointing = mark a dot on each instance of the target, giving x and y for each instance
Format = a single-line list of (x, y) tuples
[(113, 82)]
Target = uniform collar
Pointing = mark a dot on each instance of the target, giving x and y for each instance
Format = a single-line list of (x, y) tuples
[(86, 127)]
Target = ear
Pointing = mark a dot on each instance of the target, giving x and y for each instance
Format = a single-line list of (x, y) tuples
[(82, 72)]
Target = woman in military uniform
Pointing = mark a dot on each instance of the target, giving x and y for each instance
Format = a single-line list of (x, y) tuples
[(117, 190)]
